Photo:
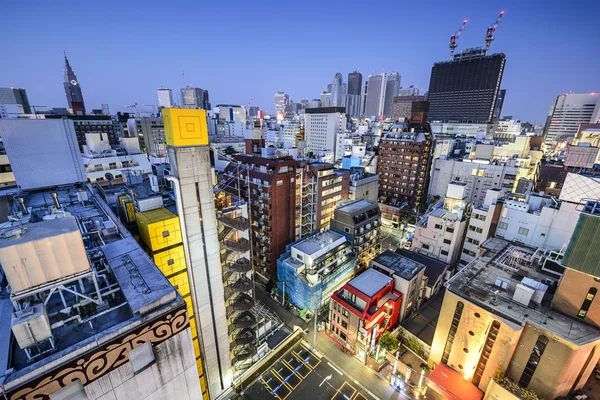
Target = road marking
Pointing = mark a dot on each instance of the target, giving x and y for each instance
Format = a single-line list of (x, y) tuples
[(335, 369), (328, 377)]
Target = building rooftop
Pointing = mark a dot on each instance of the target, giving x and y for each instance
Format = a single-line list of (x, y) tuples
[(433, 268), (356, 206), (370, 282), (319, 241), (490, 282), (422, 323), (129, 289), (398, 264)]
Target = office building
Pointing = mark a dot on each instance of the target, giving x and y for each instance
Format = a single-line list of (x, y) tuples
[(165, 98), (363, 185), (509, 322), (567, 111), (196, 98), (84, 124), (392, 89), (15, 96), (315, 103), (466, 88), (338, 94), (232, 112), (360, 222), (324, 130), (312, 268), (73, 90), (408, 276), (402, 106), (354, 96), (151, 134), (439, 234), (362, 310), (375, 95), (75, 305), (326, 99), (186, 132), (282, 101), (411, 91), (253, 112), (404, 162)]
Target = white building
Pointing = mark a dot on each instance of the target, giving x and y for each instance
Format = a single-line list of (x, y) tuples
[(535, 220), (290, 132), (444, 147), (478, 175), (326, 99), (165, 98), (567, 111), (375, 99), (506, 127), (324, 130), (461, 129), (100, 160), (439, 233), (282, 100)]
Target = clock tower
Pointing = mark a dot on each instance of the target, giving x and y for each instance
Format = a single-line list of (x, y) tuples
[(73, 90)]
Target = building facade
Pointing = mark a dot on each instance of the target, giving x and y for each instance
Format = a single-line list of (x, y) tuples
[(324, 130), (15, 96), (282, 101), (165, 97), (375, 95), (73, 90), (195, 98), (354, 96), (402, 107), (392, 89), (569, 110), (363, 185), (466, 88)]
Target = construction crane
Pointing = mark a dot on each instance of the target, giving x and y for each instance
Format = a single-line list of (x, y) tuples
[(454, 37), (489, 34)]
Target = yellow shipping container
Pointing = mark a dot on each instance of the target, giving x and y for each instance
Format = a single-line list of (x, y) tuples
[(170, 261), (158, 229)]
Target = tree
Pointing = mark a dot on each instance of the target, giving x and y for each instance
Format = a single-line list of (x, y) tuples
[(388, 342), (230, 151)]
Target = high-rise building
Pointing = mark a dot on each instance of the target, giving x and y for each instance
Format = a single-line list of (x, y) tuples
[(189, 156), (569, 110), (253, 111), (102, 124), (151, 134), (315, 103), (353, 98), (337, 91), (192, 97), (15, 96), (324, 130), (165, 97), (466, 88), (326, 99), (392, 89), (499, 104), (282, 100), (402, 106), (73, 90), (407, 180), (412, 90), (375, 99)]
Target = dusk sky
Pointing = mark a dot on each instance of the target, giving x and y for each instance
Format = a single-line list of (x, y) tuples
[(122, 51)]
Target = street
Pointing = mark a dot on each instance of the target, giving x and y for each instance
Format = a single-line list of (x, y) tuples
[(392, 238), (363, 379)]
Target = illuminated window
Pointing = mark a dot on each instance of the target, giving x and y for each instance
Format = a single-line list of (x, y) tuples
[(485, 353), (534, 360), (453, 328), (587, 302)]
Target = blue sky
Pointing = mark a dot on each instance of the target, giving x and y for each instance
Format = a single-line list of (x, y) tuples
[(122, 51)]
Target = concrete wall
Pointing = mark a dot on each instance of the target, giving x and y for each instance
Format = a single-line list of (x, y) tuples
[(172, 376), (574, 287)]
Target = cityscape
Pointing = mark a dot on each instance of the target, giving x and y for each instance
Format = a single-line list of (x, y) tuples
[(382, 238)]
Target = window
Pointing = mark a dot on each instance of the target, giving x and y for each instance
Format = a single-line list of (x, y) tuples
[(343, 336), (438, 226), (344, 325), (279, 183), (523, 231), (165, 234), (450, 230), (444, 252), (345, 312), (447, 241), (299, 256), (141, 357), (487, 350), (534, 360), (502, 225), (453, 328), (347, 230), (73, 391), (587, 302), (425, 246)]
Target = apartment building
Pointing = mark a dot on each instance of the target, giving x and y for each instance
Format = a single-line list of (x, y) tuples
[(360, 222), (363, 185), (362, 310), (330, 186), (324, 130), (439, 234), (404, 162), (408, 277)]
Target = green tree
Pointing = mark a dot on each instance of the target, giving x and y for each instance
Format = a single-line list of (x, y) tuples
[(230, 151), (388, 342)]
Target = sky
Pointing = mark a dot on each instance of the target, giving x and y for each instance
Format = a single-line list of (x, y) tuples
[(242, 52)]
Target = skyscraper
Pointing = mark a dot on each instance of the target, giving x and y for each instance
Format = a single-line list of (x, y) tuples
[(466, 88), (73, 90), (375, 95), (282, 100), (165, 97), (337, 90), (326, 99), (15, 96), (392, 88), (353, 99), (197, 98), (567, 111)]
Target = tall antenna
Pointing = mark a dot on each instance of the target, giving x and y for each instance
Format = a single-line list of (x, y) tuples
[(183, 78)]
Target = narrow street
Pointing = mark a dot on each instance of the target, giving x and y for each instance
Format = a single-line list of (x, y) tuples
[(361, 375)]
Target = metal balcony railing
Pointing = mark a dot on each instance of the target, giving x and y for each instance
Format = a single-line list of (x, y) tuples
[(241, 245), (239, 223)]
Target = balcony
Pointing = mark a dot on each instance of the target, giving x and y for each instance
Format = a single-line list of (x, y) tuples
[(240, 265), (241, 245)]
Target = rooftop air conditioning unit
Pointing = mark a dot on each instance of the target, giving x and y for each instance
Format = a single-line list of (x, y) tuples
[(31, 326)]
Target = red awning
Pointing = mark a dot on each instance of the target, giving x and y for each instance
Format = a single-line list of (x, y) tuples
[(452, 384)]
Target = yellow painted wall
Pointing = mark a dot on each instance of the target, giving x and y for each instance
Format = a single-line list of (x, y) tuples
[(158, 229), (185, 127)]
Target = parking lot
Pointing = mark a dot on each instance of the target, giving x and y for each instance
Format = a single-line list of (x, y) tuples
[(302, 374)]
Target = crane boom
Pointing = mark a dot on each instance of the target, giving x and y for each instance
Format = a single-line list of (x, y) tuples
[(454, 37), (489, 34)]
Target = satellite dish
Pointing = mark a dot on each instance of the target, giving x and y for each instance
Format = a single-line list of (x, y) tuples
[(109, 177)]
